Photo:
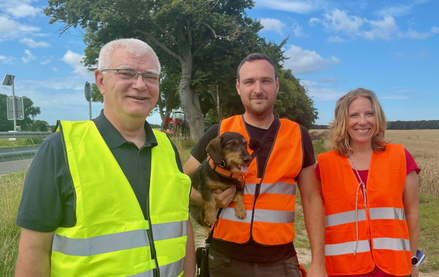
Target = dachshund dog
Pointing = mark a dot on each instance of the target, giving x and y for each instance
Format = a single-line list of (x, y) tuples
[(224, 167)]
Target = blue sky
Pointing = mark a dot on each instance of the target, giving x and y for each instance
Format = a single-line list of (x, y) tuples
[(390, 47)]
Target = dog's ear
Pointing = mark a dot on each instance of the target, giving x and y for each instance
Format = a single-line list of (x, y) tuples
[(215, 151)]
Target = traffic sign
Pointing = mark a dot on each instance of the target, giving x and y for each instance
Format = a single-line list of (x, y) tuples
[(19, 108)]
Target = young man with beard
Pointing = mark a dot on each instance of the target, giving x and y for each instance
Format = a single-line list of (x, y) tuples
[(262, 243)]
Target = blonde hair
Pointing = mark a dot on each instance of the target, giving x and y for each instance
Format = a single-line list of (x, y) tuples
[(338, 133), (131, 45)]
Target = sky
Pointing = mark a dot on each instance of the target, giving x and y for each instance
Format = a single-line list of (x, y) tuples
[(390, 47)]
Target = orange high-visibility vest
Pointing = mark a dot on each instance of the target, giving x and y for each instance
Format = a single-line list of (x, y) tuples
[(270, 215), (383, 237)]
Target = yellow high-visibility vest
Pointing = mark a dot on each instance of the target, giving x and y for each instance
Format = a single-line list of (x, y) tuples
[(111, 236)]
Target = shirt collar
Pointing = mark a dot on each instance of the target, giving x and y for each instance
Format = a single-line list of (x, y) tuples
[(114, 139)]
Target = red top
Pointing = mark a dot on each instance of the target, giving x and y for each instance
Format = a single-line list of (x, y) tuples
[(411, 165)]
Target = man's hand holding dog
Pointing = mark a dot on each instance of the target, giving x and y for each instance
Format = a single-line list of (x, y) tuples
[(223, 198)]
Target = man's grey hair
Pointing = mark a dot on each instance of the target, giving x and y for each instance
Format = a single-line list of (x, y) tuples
[(131, 45)]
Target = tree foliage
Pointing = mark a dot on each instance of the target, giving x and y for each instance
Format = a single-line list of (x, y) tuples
[(179, 29), (293, 102), (413, 125), (30, 112)]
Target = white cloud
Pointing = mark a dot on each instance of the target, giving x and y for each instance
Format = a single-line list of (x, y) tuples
[(32, 43), (6, 59), (297, 30), (382, 29), (74, 60), (399, 55), (300, 7), (7, 24), (45, 62), (335, 39), (272, 24), (400, 9), (55, 69), (324, 94), (306, 61), (416, 35), (340, 21), (313, 21), (10, 29), (397, 10), (29, 57), (21, 10)]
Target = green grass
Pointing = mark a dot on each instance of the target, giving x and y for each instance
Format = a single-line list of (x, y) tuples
[(10, 191), (20, 142), (429, 237)]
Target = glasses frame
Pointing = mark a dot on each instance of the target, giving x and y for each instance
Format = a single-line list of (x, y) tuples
[(133, 71)]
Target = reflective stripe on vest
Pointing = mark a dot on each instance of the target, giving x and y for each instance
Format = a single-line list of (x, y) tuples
[(375, 213), (110, 237), (383, 238), (116, 242), (271, 216), (363, 246)]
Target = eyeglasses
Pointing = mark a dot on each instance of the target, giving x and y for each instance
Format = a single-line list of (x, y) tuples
[(127, 74)]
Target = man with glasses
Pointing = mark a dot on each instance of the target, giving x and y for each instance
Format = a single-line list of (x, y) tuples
[(108, 197)]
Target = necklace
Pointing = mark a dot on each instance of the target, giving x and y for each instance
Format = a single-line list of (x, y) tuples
[(361, 184)]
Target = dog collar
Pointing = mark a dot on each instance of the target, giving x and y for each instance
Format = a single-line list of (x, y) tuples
[(226, 173)]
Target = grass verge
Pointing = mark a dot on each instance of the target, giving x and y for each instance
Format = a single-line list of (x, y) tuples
[(10, 190), (429, 236), (20, 142)]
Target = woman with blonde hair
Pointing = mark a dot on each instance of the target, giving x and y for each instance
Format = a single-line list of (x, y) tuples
[(370, 190)]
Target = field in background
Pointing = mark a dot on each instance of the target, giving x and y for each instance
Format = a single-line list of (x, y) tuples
[(424, 147)]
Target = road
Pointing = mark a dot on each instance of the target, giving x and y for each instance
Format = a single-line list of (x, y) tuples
[(13, 166)]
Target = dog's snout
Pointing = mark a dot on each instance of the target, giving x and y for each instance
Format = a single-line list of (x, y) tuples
[(247, 159)]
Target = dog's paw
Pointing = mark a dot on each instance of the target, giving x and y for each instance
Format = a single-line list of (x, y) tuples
[(210, 221), (241, 214)]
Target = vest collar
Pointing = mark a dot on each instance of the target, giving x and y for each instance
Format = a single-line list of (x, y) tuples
[(226, 173)]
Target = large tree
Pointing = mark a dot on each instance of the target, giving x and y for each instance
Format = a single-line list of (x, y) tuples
[(178, 28), (30, 112)]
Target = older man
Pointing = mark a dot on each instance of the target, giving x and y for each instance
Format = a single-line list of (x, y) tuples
[(107, 197)]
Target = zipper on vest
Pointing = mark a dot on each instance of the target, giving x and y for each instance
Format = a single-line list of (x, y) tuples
[(257, 190), (155, 271)]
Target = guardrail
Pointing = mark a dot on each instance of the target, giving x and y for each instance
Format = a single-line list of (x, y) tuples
[(24, 134), (17, 153), (20, 153)]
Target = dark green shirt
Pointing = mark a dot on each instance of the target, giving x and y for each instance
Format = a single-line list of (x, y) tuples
[(48, 199)]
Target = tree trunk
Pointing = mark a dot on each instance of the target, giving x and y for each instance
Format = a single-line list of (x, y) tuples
[(215, 96), (189, 99)]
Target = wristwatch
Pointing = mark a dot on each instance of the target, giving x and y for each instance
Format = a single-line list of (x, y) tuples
[(414, 260)]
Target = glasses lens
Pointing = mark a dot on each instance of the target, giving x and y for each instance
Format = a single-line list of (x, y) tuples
[(126, 74), (151, 78)]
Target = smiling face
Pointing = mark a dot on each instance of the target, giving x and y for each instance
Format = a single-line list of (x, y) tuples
[(125, 100), (361, 122), (257, 87)]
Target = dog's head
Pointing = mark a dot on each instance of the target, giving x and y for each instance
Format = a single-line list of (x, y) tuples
[(229, 151)]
